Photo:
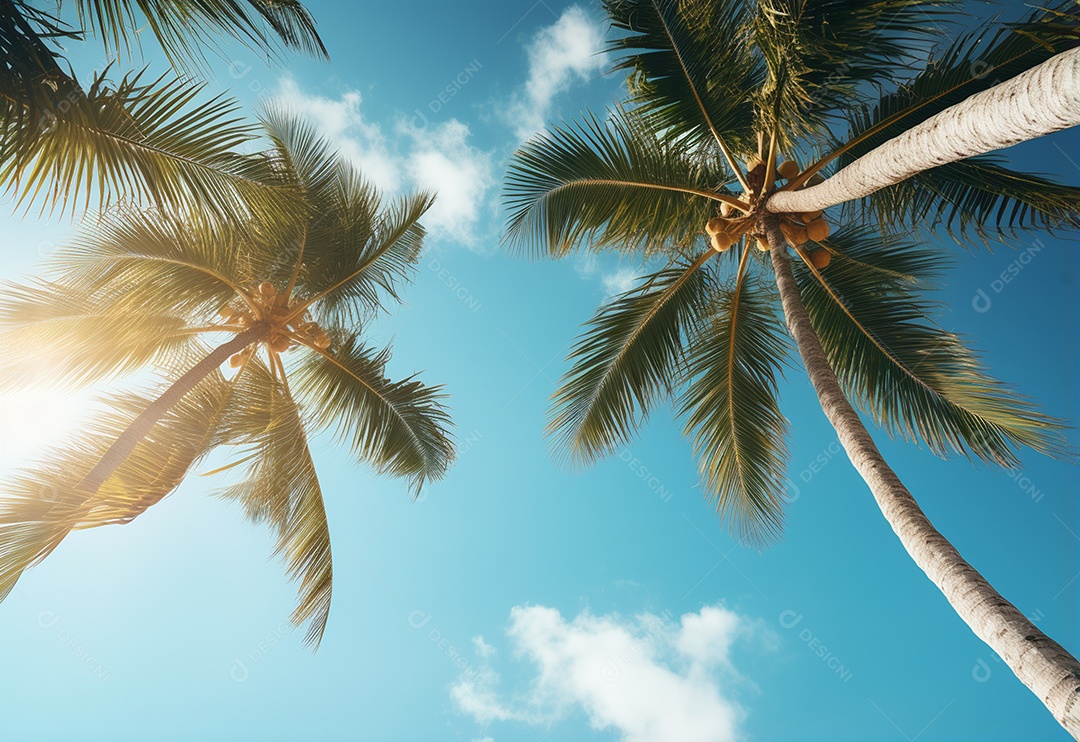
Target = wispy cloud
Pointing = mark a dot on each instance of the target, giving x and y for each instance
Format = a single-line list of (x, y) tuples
[(560, 55), (439, 158), (646, 678)]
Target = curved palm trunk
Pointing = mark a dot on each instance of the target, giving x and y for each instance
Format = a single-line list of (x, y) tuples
[(1042, 100), (1037, 660), (125, 443)]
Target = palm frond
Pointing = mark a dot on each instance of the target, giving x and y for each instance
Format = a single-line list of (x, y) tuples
[(185, 29), (618, 183), (691, 67), (400, 427), (977, 197), (821, 54), (627, 359), (371, 262), (150, 141), (43, 504), (731, 411), (912, 377), (51, 334), (282, 489), (184, 264)]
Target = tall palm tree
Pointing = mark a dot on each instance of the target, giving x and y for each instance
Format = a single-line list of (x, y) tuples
[(62, 142), (287, 300), (717, 83)]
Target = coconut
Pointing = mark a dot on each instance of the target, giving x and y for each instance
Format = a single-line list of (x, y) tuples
[(721, 241), (727, 210), (322, 340), (280, 344), (267, 289), (815, 179), (762, 243), (795, 234), (237, 360), (820, 258), (810, 216), (817, 230), (788, 169), (715, 226)]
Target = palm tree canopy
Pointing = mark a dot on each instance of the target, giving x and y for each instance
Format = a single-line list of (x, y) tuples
[(144, 289), (135, 138), (718, 88)]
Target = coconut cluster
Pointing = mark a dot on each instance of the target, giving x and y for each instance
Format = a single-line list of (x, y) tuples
[(274, 309), (724, 230), (801, 228)]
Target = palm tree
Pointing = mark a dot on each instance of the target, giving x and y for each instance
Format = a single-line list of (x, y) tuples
[(716, 82), (147, 289), (137, 138)]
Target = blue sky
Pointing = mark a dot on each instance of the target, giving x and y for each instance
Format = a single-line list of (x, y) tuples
[(517, 600)]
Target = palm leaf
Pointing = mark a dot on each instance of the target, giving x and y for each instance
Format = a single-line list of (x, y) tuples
[(186, 264), (691, 68), (820, 55), (400, 427), (626, 360), (43, 504), (621, 183), (731, 410), (53, 334), (149, 141), (282, 489), (184, 29), (912, 377)]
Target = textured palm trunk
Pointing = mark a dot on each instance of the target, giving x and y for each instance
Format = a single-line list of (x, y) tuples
[(1042, 100), (1038, 661), (125, 443)]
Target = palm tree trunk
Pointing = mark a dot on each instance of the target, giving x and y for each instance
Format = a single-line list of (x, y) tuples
[(125, 443), (1038, 661), (1042, 100)]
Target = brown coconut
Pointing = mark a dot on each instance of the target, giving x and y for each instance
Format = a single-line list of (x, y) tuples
[(788, 169)]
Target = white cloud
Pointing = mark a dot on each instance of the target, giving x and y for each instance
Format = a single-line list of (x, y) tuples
[(438, 157), (482, 647), (442, 160), (559, 55), (647, 678), (620, 281), (341, 123)]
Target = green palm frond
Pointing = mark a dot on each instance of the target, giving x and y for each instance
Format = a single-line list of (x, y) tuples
[(730, 405), (912, 377), (821, 54), (281, 489), (185, 29), (51, 334), (43, 504), (978, 196), (620, 183), (151, 141), (184, 264), (627, 359), (359, 277), (399, 427), (691, 67)]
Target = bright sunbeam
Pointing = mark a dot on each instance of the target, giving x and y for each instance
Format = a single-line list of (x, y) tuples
[(35, 420)]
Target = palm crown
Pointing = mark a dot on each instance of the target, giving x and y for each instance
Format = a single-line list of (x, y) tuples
[(717, 82), (146, 289)]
